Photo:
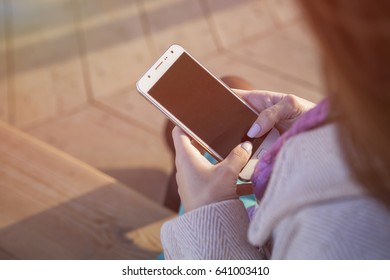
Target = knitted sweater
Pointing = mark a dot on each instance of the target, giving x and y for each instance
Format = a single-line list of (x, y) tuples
[(312, 209)]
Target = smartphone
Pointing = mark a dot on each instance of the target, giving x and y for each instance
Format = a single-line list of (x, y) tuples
[(203, 106)]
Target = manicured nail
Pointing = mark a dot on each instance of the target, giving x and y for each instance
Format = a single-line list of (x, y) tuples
[(247, 146), (254, 130)]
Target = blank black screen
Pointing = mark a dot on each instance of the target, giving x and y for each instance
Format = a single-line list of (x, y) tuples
[(204, 105)]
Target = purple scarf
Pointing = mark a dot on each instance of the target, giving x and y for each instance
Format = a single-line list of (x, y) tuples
[(262, 174)]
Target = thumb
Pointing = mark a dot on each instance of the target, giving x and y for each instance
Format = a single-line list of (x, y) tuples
[(239, 157)]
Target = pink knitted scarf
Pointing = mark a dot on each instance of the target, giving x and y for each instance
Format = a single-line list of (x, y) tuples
[(262, 174)]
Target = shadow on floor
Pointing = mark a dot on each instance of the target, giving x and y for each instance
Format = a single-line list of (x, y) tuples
[(151, 183), (91, 226)]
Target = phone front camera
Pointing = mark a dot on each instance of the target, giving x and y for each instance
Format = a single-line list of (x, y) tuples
[(171, 51)]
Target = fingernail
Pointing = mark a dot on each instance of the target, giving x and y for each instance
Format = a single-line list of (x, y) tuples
[(247, 146), (254, 130)]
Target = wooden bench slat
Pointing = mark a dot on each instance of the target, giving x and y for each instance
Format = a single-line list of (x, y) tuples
[(53, 206)]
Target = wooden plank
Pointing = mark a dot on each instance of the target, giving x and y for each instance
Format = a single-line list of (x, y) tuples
[(232, 65), (53, 206), (284, 11), (148, 237), (116, 48), (47, 77), (125, 151), (239, 21), (284, 52), (182, 22), (4, 255), (133, 106), (3, 70)]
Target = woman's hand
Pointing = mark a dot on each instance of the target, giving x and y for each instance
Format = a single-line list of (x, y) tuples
[(276, 109), (200, 182)]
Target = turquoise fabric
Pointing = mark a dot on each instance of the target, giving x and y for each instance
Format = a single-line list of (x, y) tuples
[(210, 158), (161, 256), (248, 200)]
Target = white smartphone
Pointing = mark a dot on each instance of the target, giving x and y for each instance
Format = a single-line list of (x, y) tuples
[(203, 106)]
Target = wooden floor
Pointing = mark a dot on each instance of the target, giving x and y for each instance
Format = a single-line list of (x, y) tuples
[(53, 206), (68, 70)]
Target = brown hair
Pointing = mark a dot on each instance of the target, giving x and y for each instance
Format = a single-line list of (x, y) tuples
[(354, 36)]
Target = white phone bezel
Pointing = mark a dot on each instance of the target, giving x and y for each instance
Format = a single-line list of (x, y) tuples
[(158, 69)]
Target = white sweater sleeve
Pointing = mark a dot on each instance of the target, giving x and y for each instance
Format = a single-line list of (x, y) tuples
[(355, 228), (216, 231)]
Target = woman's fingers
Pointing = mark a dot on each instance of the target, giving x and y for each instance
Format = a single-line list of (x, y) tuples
[(229, 169), (266, 121), (287, 108), (236, 160), (260, 99), (186, 153)]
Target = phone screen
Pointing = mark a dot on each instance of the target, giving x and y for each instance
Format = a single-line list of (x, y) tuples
[(204, 105)]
